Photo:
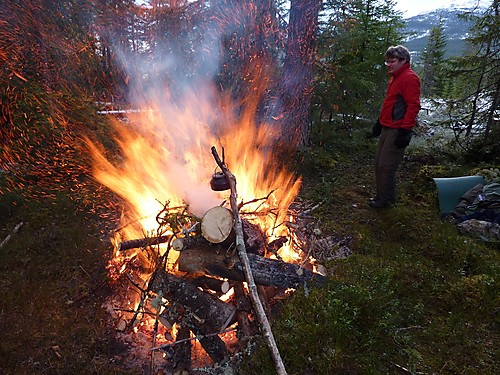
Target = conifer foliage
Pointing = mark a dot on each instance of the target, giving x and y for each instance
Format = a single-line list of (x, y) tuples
[(475, 103), (433, 63), (351, 76)]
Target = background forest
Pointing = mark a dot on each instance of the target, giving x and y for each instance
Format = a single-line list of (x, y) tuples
[(414, 297)]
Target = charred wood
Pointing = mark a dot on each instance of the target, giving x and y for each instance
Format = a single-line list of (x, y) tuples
[(208, 310), (241, 298), (213, 344), (182, 351), (243, 309), (264, 300), (142, 242), (204, 314), (255, 240), (219, 287), (277, 244), (268, 272)]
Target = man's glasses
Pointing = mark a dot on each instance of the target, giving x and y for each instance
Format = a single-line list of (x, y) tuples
[(391, 62)]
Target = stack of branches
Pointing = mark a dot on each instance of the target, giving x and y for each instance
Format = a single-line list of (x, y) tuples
[(218, 253)]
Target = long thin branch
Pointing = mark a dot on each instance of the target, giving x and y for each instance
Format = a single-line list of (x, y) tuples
[(252, 287), (142, 242), (7, 239)]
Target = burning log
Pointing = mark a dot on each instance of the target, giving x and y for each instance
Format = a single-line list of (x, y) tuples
[(219, 287), (245, 328), (182, 351), (228, 247), (254, 239), (204, 315), (142, 242), (209, 310), (207, 259), (213, 344)]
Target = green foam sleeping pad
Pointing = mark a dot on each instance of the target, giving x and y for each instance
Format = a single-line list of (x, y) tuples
[(450, 190)]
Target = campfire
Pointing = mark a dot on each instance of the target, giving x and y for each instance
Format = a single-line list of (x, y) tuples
[(194, 224)]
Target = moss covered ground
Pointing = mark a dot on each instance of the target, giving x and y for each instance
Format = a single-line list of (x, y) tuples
[(415, 297)]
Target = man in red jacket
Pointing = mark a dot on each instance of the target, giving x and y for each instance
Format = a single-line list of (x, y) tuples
[(395, 122)]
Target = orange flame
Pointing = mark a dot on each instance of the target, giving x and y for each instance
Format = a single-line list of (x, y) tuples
[(165, 157)]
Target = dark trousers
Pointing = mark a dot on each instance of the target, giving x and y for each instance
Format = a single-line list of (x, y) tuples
[(387, 160)]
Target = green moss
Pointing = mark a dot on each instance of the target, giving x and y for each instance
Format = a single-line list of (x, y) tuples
[(50, 272), (416, 296)]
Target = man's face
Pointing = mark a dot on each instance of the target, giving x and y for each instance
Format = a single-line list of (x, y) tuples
[(393, 64)]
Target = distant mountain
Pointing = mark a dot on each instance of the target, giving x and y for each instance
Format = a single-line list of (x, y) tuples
[(455, 30)]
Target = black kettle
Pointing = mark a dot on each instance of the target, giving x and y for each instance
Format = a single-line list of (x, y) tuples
[(219, 182)]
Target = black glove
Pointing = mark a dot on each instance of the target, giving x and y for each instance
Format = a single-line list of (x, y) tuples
[(376, 130), (403, 138)]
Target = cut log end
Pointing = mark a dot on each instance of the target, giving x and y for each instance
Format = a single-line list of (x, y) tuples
[(217, 224), (177, 244)]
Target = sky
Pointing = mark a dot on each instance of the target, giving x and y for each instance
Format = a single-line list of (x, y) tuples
[(411, 8)]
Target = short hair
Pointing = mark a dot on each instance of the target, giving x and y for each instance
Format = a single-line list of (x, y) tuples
[(398, 52)]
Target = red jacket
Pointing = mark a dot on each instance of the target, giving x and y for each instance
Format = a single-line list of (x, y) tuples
[(402, 99)]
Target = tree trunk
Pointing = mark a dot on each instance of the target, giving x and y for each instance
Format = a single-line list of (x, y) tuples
[(491, 111), (297, 87)]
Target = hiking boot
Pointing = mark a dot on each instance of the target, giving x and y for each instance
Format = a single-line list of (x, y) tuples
[(379, 204)]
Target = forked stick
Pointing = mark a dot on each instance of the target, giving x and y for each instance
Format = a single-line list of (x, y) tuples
[(252, 287)]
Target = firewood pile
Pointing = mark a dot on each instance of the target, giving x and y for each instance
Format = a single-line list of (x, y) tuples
[(218, 293)]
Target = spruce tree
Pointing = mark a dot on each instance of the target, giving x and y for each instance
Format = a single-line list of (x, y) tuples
[(433, 63), (351, 76), (477, 86)]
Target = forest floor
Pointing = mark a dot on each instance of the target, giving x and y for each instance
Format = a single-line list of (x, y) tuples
[(415, 296)]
